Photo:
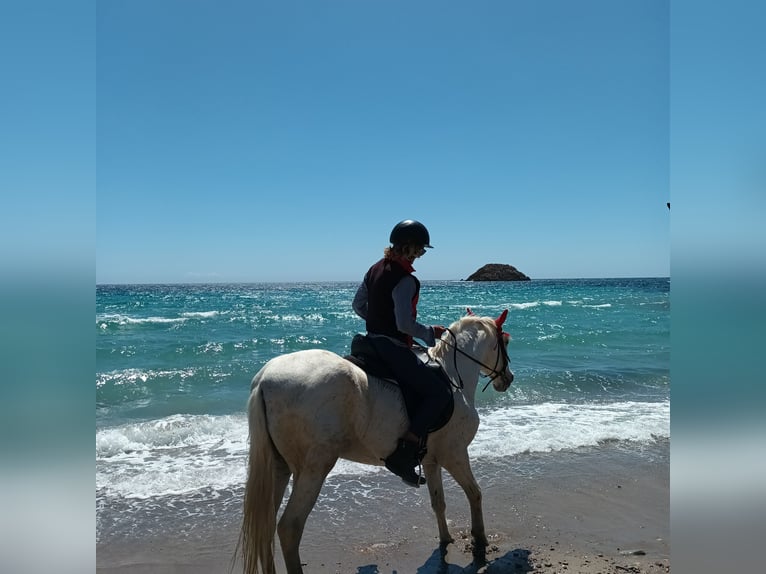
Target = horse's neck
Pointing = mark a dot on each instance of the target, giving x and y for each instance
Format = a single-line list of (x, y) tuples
[(461, 368)]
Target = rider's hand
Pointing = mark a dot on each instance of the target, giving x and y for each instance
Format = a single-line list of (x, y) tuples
[(438, 331)]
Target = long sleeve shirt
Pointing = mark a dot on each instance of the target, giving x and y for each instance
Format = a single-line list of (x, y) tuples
[(402, 295)]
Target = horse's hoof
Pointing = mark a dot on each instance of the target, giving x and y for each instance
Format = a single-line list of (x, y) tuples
[(479, 551)]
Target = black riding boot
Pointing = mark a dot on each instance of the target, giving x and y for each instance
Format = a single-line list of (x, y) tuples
[(403, 460)]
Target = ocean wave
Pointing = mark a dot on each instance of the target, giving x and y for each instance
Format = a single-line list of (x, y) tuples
[(527, 305), (174, 455), (557, 303), (294, 318), (107, 320), (200, 314), (133, 376), (533, 304), (549, 427), (188, 453), (210, 347), (547, 337)]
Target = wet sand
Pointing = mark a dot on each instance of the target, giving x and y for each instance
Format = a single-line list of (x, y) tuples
[(602, 511)]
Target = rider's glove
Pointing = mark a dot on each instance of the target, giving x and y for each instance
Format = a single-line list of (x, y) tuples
[(438, 331)]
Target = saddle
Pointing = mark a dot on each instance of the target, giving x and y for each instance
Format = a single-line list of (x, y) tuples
[(364, 356)]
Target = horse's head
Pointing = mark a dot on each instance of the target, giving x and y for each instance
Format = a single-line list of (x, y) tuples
[(502, 377), (500, 372)]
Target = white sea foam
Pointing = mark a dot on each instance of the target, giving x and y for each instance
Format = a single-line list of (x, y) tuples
[(210, 347), (187, 453), (103, 321), (309, 317), (131, 376), (533, 304), (527, 305), (175, 455), (549, 427), (200, 314), (548, 337)]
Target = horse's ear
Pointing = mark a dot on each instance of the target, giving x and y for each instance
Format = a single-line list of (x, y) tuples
[(468, 312), (501, 319)]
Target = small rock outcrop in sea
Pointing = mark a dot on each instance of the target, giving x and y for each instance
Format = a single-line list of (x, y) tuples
[(498, 272)]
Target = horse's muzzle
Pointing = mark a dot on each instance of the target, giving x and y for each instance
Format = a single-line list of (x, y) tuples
[(505, 381)]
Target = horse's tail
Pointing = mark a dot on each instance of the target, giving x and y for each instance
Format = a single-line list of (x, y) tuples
[(260, 511)]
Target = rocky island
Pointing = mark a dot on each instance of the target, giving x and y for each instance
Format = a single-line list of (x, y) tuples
[(497, 272)]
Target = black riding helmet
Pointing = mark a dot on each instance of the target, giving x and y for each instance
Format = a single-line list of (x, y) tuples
[(412, 232)]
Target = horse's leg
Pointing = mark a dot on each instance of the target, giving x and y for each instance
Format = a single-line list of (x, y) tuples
[(460, 468), (433, 472), (307, 483), (281, 479)]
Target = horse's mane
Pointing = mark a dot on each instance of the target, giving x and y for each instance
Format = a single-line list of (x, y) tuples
[(468, 324)]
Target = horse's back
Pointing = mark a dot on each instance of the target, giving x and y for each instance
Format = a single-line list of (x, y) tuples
[(304, 368), (316, 399), (307, 377)]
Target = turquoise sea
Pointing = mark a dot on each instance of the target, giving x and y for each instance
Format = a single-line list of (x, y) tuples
[(174, 365)]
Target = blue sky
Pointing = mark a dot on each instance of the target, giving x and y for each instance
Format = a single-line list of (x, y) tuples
[(255, 141)]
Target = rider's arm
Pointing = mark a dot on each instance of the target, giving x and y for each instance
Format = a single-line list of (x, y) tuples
[(360, 301), (403, 294)]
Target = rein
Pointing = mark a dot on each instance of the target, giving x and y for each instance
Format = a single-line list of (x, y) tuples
[(494, 372)]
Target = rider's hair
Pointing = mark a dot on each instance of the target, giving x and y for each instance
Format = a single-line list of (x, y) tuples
[(406, 250)]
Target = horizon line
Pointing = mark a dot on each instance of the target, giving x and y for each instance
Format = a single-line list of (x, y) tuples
[(298, 282)]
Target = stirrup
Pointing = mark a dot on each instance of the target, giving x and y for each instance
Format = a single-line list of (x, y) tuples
[(421, 478), (409, 477), (402, 462)]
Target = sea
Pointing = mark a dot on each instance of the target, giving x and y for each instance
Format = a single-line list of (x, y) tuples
[(174, 363)]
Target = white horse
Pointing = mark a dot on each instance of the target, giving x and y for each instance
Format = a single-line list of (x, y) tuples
[(309, 408)]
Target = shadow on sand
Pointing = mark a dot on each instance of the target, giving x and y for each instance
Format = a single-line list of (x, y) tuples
[(512, 562)]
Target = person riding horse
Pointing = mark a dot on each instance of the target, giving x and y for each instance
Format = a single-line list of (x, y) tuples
[(309, 408), (387, 300)]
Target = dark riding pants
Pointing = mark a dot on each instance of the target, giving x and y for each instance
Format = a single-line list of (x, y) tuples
[(430, 393)]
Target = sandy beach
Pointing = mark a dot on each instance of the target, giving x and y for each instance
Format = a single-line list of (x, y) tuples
[(603, 510)]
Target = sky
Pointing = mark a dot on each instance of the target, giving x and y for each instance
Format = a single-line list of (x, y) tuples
[(243, 141)]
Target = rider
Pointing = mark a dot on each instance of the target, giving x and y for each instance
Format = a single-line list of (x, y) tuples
[(387, 300)]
